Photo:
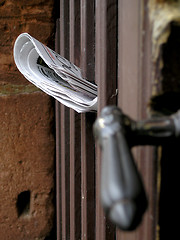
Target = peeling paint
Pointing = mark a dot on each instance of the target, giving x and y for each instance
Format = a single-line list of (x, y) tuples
[(161, 15)]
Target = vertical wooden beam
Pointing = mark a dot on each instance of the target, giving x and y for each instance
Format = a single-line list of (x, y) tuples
[(64, 111), (129, 26), (75, 137), (58, 147), (130, 36), (57, 121), (105, 58), (134, 84), (87, 140), (58, 170), (100, 74), (87, 177), (72, 131), (65, 171)]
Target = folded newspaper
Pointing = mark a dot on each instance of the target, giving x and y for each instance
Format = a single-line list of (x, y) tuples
[(54, 74)]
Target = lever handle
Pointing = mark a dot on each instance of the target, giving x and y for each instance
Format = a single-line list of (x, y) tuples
[(122, 191)]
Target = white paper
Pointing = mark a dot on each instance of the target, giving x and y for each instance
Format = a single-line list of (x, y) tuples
[(54, 74)]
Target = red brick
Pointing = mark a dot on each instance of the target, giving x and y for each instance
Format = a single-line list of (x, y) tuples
[(26, 123), (34, 17), (27, 163)]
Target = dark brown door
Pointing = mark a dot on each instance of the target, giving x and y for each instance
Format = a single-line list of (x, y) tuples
[(110, 41)]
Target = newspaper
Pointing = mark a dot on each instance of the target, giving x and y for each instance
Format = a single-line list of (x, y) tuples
[(54, 74)]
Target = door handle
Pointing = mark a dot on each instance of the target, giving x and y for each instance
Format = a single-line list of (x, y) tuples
[(122, 192)]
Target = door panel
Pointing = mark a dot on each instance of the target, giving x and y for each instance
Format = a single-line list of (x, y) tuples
[(111, 41)]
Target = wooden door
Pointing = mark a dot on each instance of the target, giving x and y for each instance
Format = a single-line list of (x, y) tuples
[(111, 41)]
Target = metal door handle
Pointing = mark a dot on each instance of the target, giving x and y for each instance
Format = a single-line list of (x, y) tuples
[(122, 193)]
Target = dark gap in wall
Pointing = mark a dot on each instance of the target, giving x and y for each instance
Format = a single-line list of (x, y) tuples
[(166, 1), (169, 101), (171, 60), (23, 203)]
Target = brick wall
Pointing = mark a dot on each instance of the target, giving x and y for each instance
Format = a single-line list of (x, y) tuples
[(26, 129)]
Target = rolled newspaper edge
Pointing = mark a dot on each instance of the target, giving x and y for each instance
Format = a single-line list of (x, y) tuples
[(53, 74)]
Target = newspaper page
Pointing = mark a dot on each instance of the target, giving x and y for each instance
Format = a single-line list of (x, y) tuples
[(54, 74)]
